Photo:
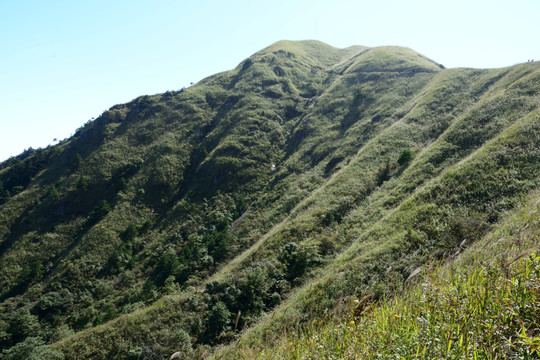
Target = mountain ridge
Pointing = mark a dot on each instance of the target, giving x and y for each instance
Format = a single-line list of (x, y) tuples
[(224, 201)]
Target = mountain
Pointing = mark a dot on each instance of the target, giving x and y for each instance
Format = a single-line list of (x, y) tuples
[(255, 202)]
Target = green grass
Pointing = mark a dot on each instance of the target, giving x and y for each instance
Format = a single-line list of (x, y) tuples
[(482, 305)]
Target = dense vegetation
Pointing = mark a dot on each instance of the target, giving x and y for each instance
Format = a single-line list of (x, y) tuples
[(481, 305), (253, 204)]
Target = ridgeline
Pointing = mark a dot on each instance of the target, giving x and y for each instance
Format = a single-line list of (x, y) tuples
[(305, 192)]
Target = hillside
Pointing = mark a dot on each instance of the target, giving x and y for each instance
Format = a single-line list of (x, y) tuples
[(258, 200), (482, 304)]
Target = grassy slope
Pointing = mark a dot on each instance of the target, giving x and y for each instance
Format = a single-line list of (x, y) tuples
[(483, 304), (388, 250), (333, 122), (337, 287)]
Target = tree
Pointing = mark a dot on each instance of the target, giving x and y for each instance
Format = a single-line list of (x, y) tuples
[(32, 348), (222, 245), (55, 302), (122, 184), (166, 266), (30, 273), (99, 212), (218, 319), (405, 157), (22, 325), (294, 259), (82, 184), (52, 195), (383, 174), (75, 162), (130, 232), (4, 194), (253, 287)]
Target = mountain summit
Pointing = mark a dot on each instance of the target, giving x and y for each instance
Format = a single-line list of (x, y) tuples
[(258, 200)]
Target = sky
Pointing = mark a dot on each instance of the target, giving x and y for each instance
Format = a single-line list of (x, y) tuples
[(62, 63)]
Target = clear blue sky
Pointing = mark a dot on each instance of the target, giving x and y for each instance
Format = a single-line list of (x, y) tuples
[(64, 62)]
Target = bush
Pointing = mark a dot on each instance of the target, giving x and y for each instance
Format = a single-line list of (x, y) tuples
[(82, 184), (218, 320), (52, 195), (32, 348), (405, 157), (166, 266), (99, 212), (295, 260), (21, 325), (253, 291), (130, 232), (75, 162), (55, 302)]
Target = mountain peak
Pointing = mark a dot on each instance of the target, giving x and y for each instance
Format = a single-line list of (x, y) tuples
[(392, 58), (354, 58), (312, 51)]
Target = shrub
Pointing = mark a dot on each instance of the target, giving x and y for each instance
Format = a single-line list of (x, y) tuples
[(55, 302), (82, 184), (52, 195), (130, 232), (296, 260), (32, 348), (166, 266), (99, 212), (405, 157), (383, 174), (75, 162), (21, 325), (218, 320)]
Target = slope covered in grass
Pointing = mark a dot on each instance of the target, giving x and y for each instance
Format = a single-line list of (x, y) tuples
[(483, 304), (254, 201)]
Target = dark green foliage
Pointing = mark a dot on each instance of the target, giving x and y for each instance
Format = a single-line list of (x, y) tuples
[(4, 194), (383, 174), (253, 291), (247, 64), (219, 244), (54, 302), (19, 171), (218, 320), (75, 162), (32, 348), (101, 209), (145, 227), (82, 184), (21, 325), (130, 232), (149, 292), (295, 259), (30, 273), (134, 354), (52, 195), (166, 266), (17, 189), (240, 207), (405, 157)]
